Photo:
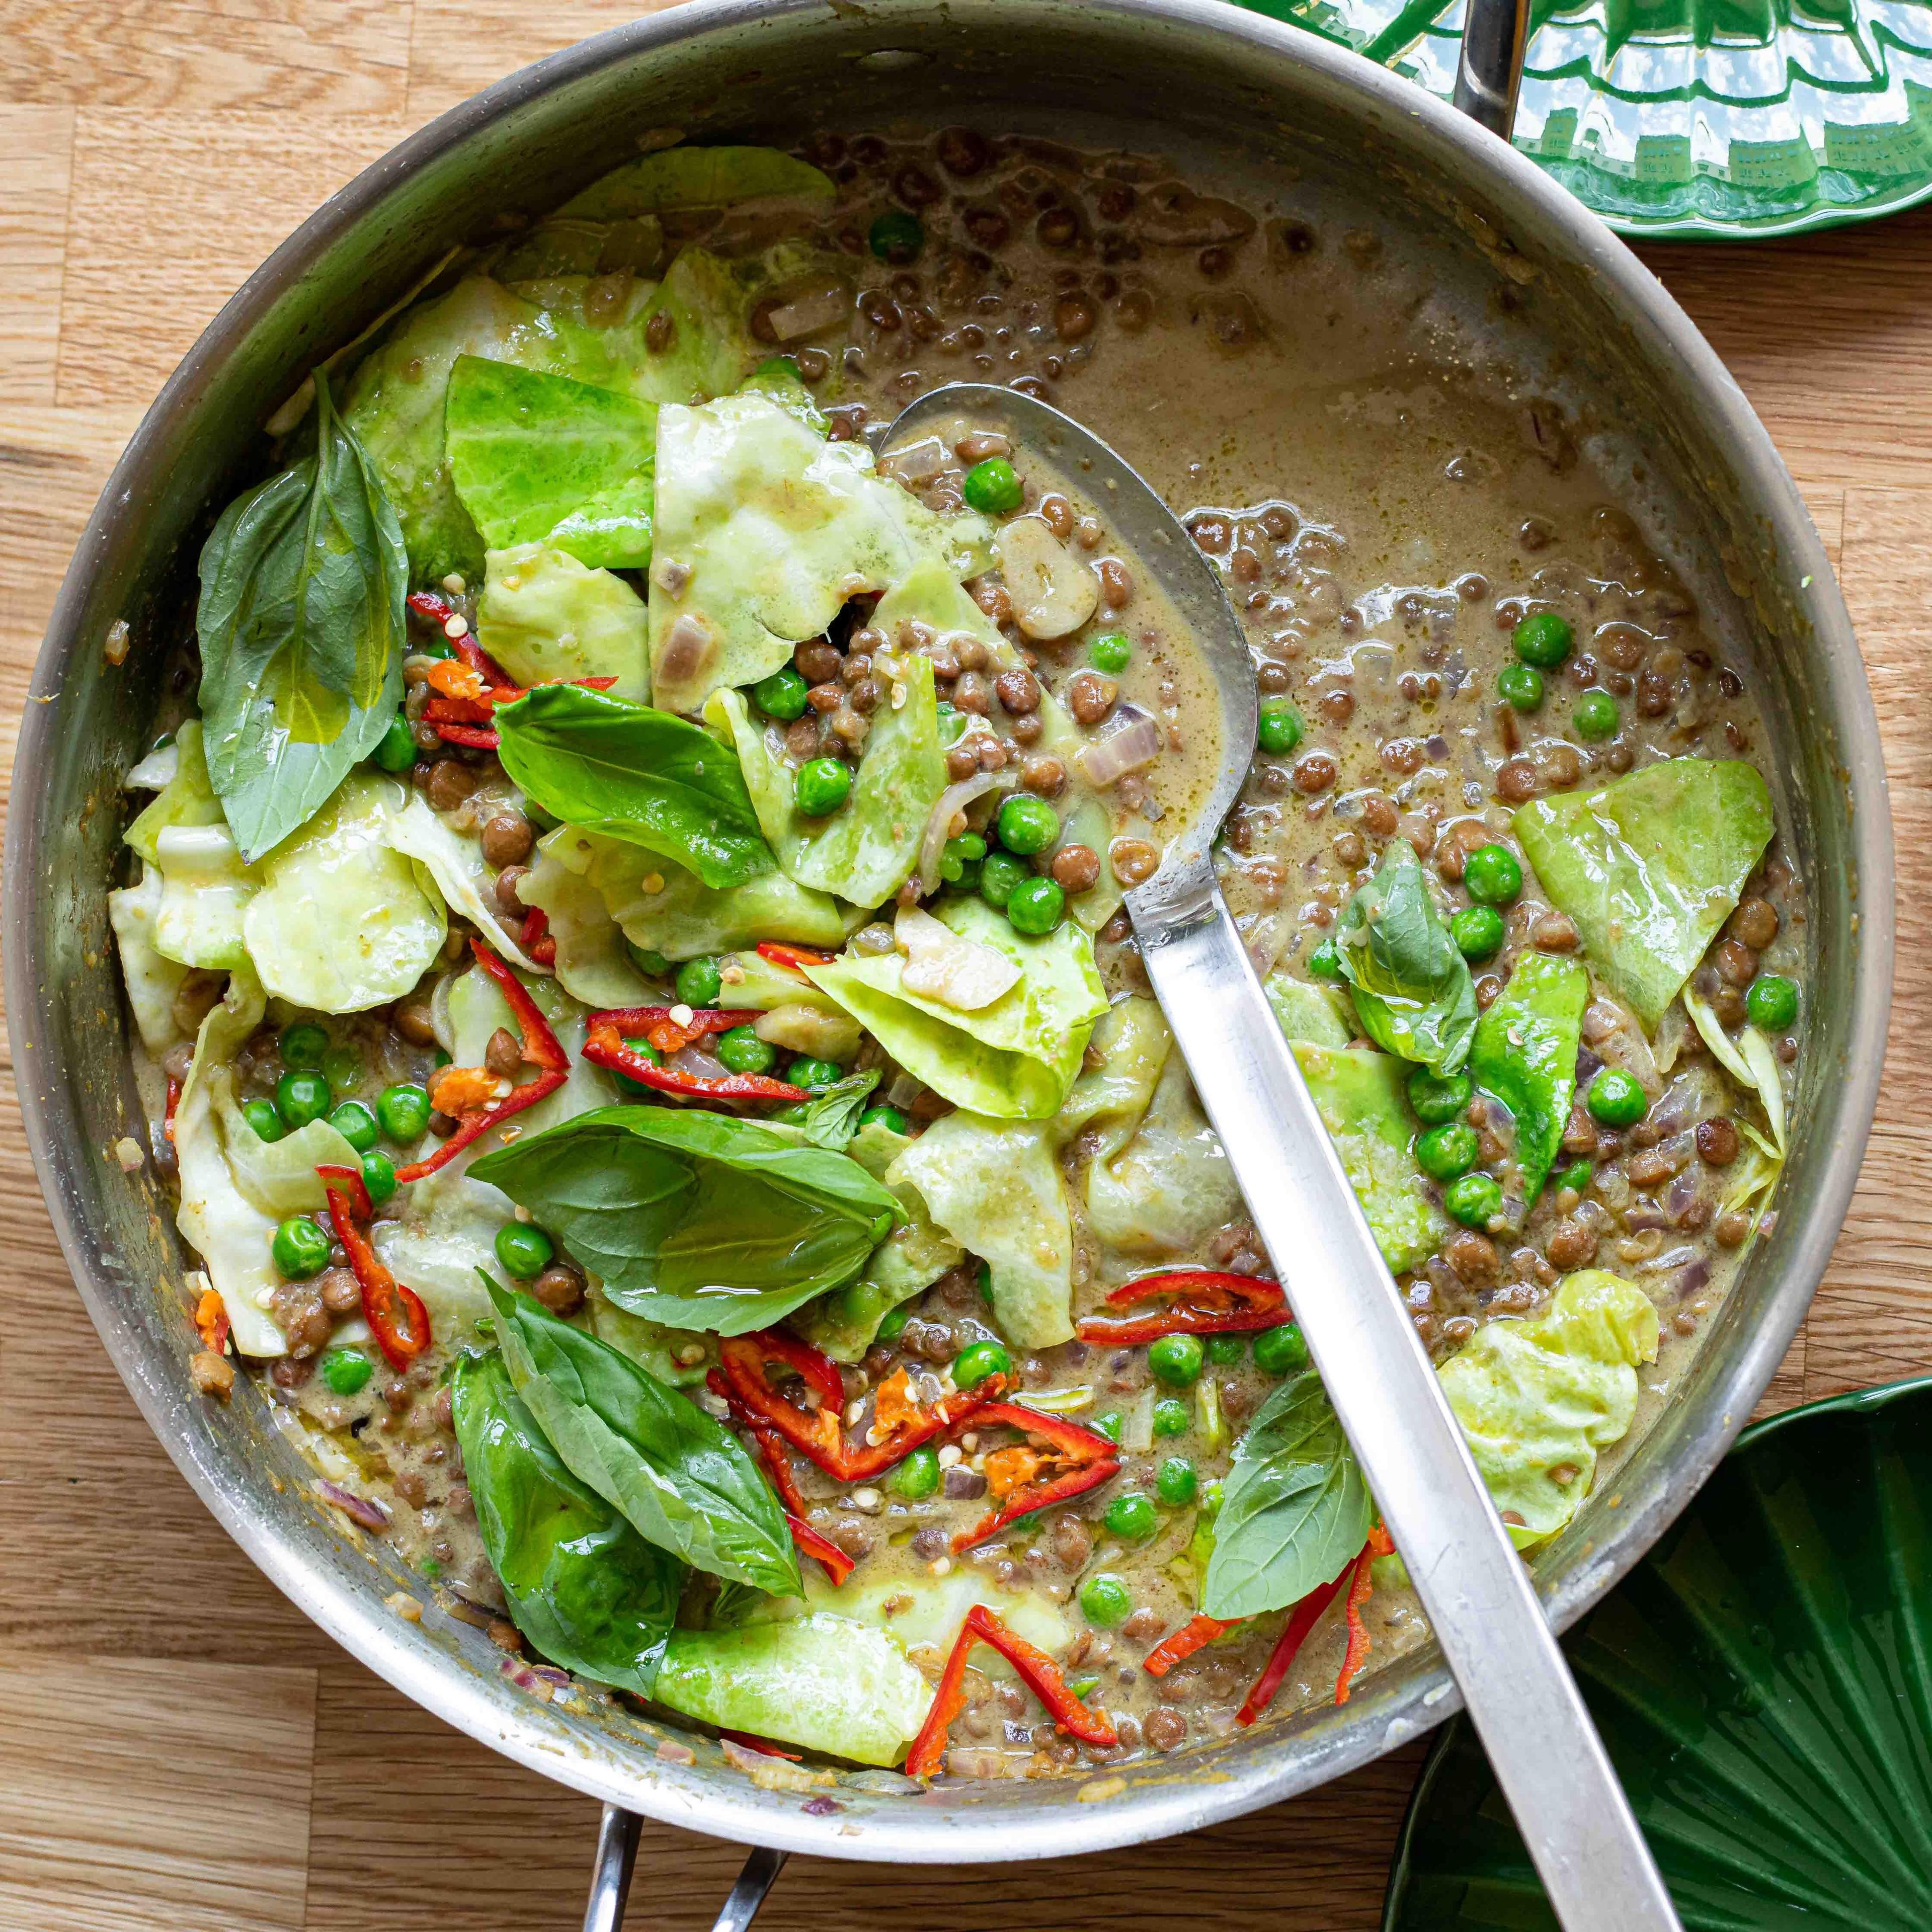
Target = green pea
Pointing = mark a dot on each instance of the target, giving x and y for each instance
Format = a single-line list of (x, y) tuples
[(1282, 1350), (1492, 875), (1177, 1485), (1437, 1097), (889, 1117), (261, 1115), (1478, 931), (918, 1475), (896, 237), (1131, 1516), (346, 1371), (699, 982), (958, 855), (1522, 685), (303, 1046), (524, 1250), (1543, 639), (822, 785), (1035, 907), (403, 1113), (1172, 1418), (1325, 962), (1026, 825), (1176, 1360), (396, 749), (991, 488), (1616, 1099), (1771, 1003), (1104, 1599), (813, 1075), (356, 1124), (1442, 1153), (999, 874), (1224, 1350), (301, 1098), (741, 1050), (1109, 1425), (1111, 653), (378, 1175), (1577, 1177), (1596, 716), (648, 961), (782, 695), (342, 1068), (973, 1364), (893, 1326), (1475, 1201), (300, 1248), (1278, 727)]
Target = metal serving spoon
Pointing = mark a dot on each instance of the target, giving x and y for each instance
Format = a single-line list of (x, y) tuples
[(1552, 1765)]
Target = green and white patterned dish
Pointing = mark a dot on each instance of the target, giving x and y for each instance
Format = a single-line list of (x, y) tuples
[(1763, 1681), (1694, 119)]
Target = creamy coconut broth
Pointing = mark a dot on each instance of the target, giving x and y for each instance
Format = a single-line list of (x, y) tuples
[(663, 1094)]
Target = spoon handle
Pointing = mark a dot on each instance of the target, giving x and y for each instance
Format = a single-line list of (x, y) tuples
[(1552, 1766)]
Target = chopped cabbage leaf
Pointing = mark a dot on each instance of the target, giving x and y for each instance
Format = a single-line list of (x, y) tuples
[(675, 178), (537, 458), (152, 981), (593, 962), (344, 921), (662, 908), (1650, 866), (707, 319), (1537, 1399), (1171, 1184), (1318, 1015), (232, 1235), (278, 1176), (202, 885), (454, 861), (548, 618), (1362, 1096), (994, 1186), (1525, 1055), (1015, 1059), (1131, 1044), (185, 796), (569, 245), (1750, 1061), (766, 530), (843, 1324), (931, 595), (821, 1681), (866, 850), (649, 1344)]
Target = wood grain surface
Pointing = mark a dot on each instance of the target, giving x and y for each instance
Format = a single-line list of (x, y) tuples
[(178, 1747)]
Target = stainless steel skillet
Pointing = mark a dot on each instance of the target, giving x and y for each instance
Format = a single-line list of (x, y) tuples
[(1208, 83)]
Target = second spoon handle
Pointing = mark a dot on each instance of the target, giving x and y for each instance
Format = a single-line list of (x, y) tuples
[(1552, 1766)]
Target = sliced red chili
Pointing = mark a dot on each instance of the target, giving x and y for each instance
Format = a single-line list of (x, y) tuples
[(473, 736), (1360, 1584), (395, 1314), (838, 1565), (816, 1433), (780, 954), (772, 1450), (1038, 1671), (211, 1321), (1206, 1301), (349, 1181), (1076, 1459), (666, 1034), (540, 1047), (433, 605), (538, 945), (763, 1746), (168, 1110), (604, 1046), (458, 711), (1301, 1620), (1184, 1642)]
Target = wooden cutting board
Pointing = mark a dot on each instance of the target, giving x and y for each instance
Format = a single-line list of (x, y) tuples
[(177, 1746)]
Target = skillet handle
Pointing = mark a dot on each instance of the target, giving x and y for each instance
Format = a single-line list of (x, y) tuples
[(617, 1857), (1494, 35)]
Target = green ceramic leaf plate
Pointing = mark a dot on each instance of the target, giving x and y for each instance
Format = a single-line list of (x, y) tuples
[(1763, 1683), (1694, 119)]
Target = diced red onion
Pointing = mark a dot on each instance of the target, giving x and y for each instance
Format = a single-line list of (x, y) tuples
[(1682, 1192), (1641, 1220), (918, 462), (1588, 1065), (809, 314), (358, 1509), (694, 1059), (962, 1482), (1692, 1278), (954, 799), (1134, 743)]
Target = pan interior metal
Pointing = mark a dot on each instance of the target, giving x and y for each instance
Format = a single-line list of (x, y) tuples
[(1185, 76)]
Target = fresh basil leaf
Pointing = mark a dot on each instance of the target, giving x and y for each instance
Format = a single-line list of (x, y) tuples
[(832, 1118), (644, 776), (1525, 1055), (683, 1481), (1294, 1510), (1411, 986), (582, 1585), (694, 1220), (302, 625), (538, 458)]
